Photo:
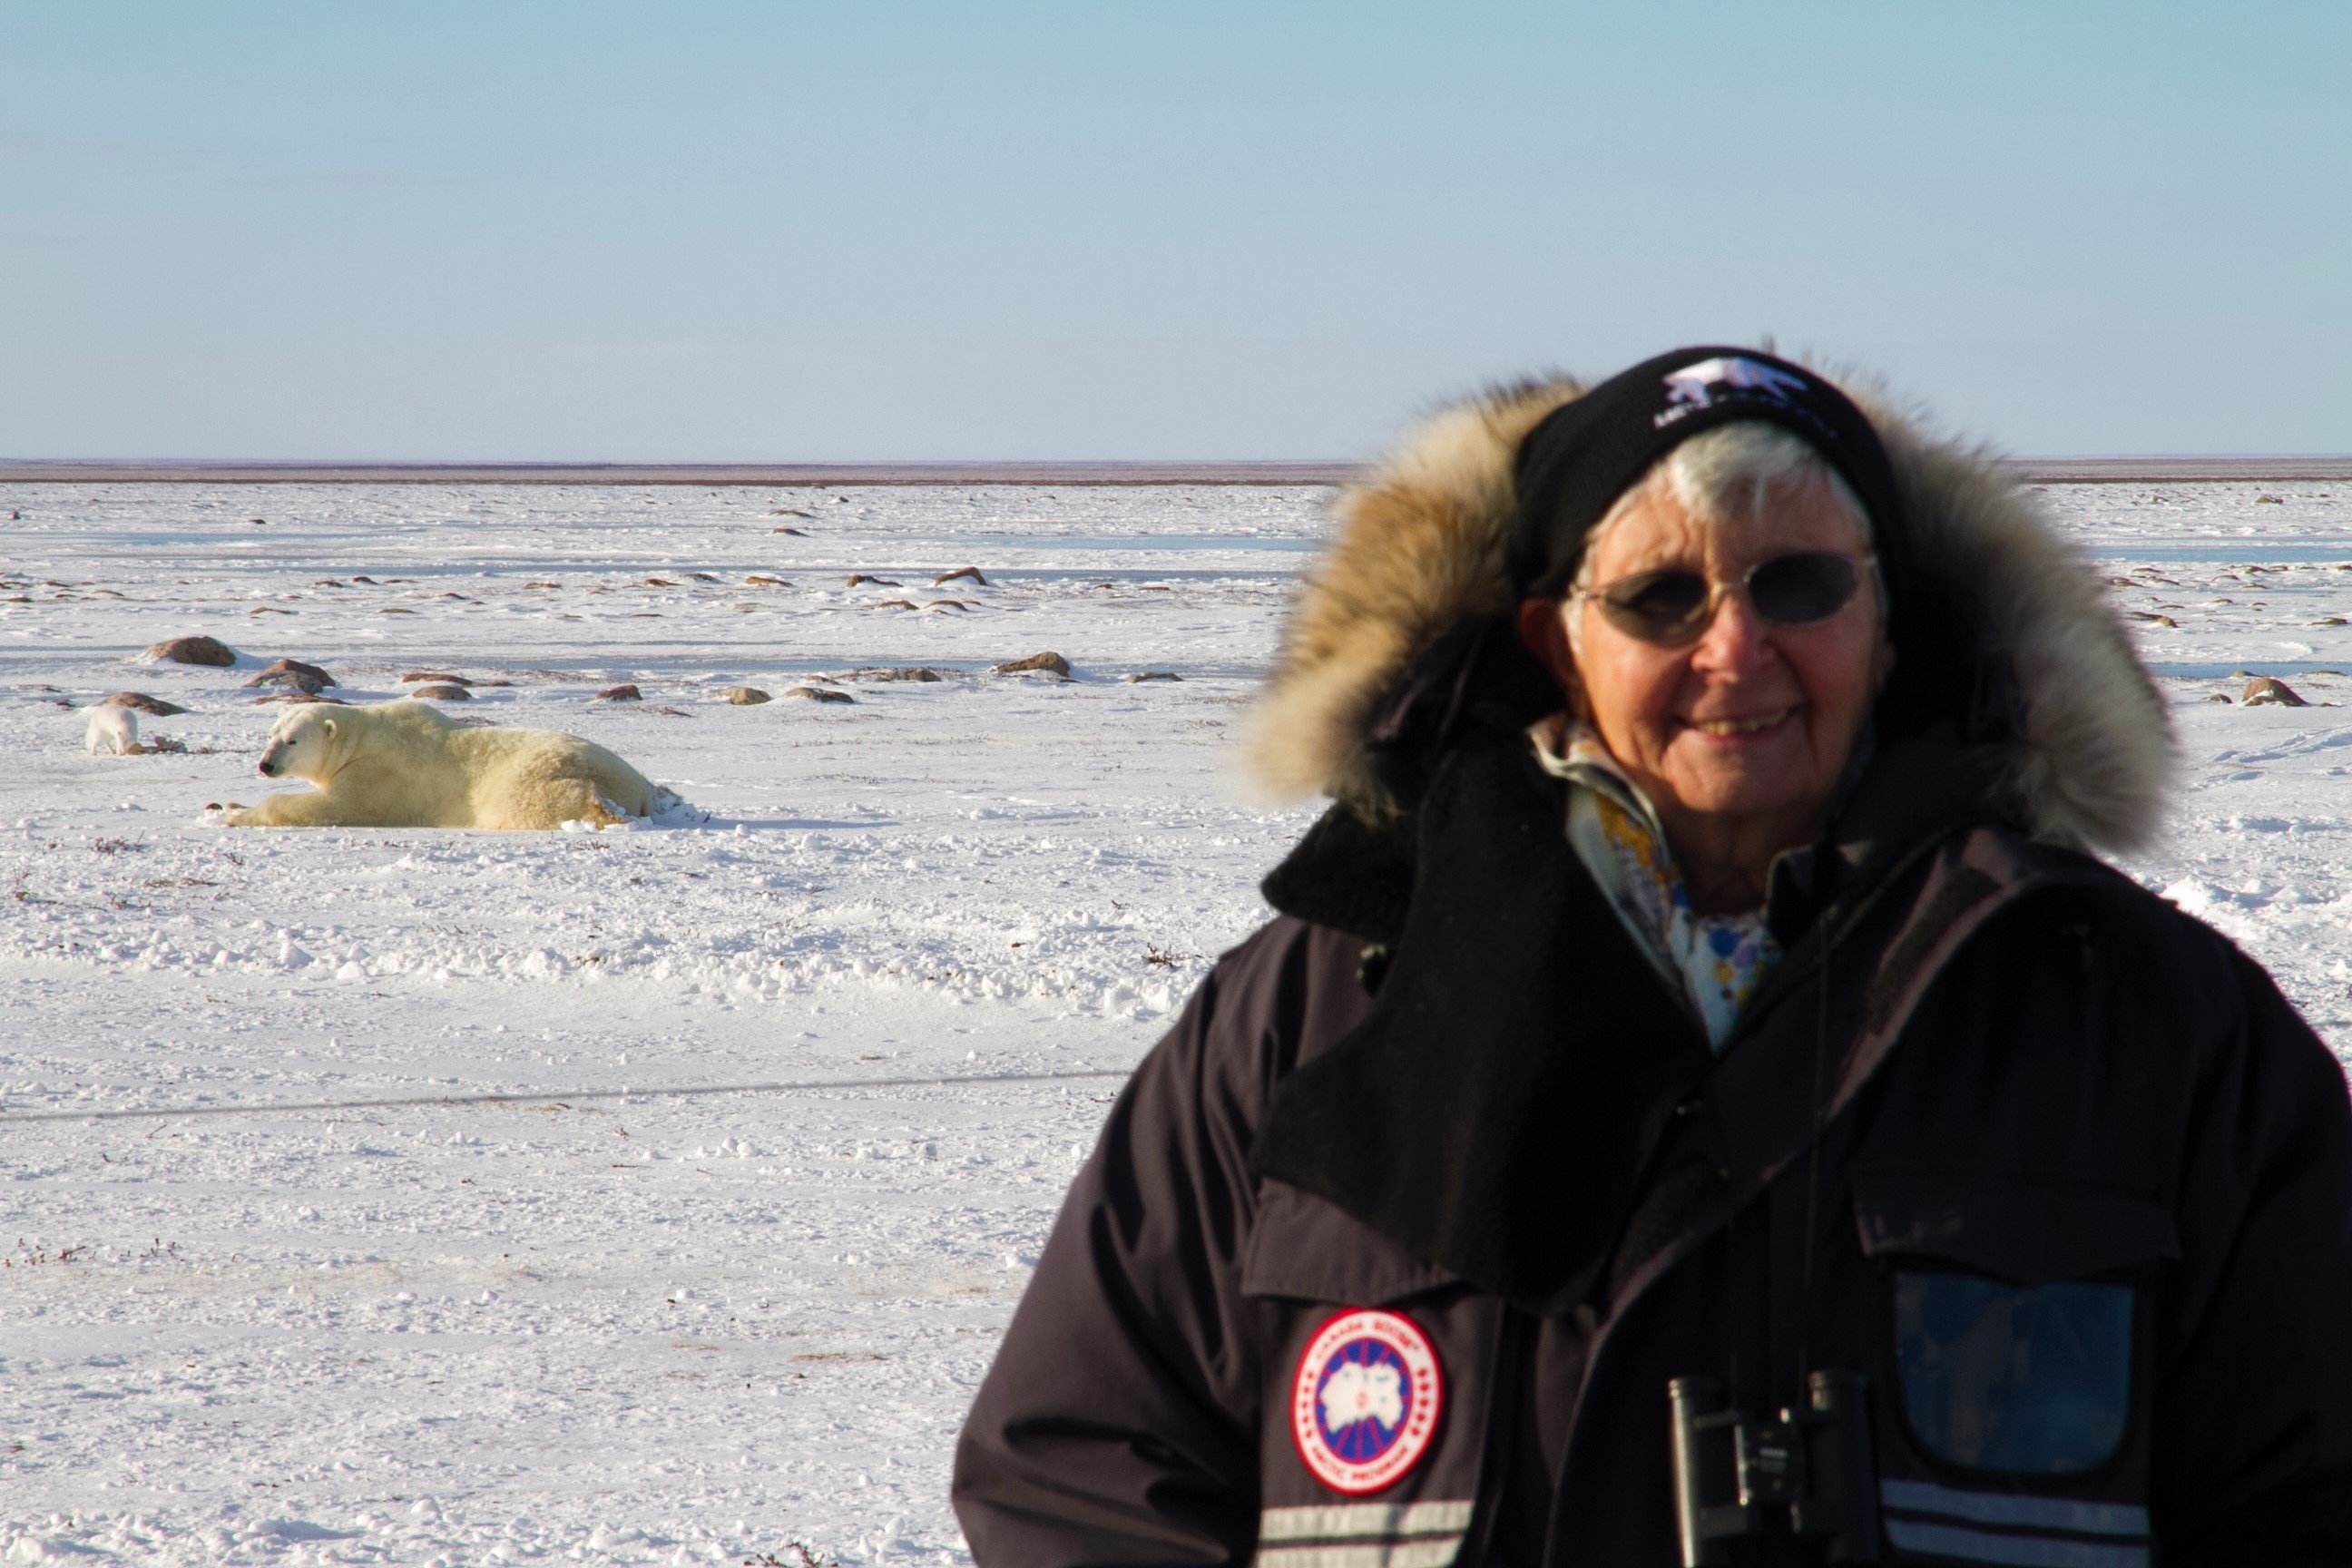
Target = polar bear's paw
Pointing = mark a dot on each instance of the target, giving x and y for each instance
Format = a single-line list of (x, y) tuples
[(672, 810)]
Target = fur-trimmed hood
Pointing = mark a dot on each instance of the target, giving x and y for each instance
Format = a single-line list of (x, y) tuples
[(1419, 553)]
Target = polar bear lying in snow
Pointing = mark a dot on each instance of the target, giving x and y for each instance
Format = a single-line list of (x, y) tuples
[(408, 764)]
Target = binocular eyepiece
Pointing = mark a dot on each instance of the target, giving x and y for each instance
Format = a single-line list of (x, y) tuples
[(1808, 1465)]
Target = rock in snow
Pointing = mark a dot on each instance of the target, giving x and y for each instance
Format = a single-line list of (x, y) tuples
[(145, 703), (295, 667), (193, 650), (2264, 689), (306, 679), (1053, 662)]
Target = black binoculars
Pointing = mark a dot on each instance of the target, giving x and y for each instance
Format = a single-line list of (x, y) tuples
[(1809, 1465)]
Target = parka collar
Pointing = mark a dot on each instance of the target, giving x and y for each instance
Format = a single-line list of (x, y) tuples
[(1494, 1113), (1415, 580)]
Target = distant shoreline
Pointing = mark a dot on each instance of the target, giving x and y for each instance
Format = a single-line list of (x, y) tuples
[(2033, 471)]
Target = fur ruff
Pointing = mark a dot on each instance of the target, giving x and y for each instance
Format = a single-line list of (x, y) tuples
[(1418, 549)]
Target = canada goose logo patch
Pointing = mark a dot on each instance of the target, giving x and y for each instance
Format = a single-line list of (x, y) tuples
[(1365, 1404)]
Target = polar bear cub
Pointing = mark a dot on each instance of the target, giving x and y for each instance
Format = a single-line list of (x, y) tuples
[(112, 731), (408, 764)]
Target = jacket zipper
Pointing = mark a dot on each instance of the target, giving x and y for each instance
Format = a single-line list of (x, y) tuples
[(1778, 985), (1781, 981), (1787, 976)]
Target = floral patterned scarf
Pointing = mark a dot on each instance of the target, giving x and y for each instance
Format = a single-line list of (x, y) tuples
[(1718, 962)]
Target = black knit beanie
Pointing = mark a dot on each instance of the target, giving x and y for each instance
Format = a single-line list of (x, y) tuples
[(1575, 464)]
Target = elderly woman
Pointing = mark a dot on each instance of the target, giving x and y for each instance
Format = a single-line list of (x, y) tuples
[(1703, 979)]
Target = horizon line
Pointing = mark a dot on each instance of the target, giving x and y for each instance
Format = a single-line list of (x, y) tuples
[(1270, 472)]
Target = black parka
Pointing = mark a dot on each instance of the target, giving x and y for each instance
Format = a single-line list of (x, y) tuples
[(1997, 1103)]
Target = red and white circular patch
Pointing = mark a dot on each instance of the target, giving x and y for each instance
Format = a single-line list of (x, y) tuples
[(1365, 1405)]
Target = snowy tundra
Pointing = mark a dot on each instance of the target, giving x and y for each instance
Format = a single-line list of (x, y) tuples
[(285, 1285)]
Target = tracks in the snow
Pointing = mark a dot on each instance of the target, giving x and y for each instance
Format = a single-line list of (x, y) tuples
[(550, 1097)]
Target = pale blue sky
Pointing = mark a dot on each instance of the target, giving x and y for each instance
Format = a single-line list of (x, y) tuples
[(683, 231)]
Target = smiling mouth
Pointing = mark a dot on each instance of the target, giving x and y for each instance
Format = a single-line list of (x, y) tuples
[(1728, 728)]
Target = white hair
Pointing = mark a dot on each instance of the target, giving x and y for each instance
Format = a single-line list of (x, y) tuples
[(1732, 470)]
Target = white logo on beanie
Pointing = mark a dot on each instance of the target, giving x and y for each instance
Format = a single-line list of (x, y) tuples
[(1712, 381)]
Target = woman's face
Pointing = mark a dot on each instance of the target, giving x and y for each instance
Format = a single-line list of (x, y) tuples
[(1747, 731)]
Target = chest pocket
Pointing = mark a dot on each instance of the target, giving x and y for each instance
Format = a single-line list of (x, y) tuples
[(2016, 1357), (2030, 1378)]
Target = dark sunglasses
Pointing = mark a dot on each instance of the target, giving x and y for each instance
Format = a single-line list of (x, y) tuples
[(1673, 606)]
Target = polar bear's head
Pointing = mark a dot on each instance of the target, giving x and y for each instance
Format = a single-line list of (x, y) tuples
[(304, 744)]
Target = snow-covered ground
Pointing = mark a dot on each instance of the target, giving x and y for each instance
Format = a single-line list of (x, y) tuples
[(714, 1327)]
